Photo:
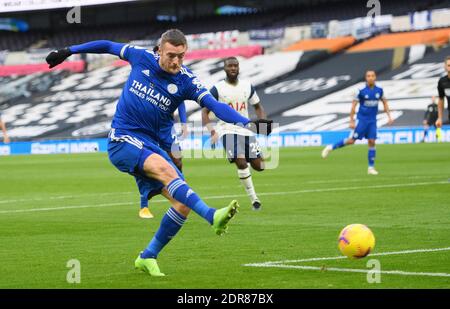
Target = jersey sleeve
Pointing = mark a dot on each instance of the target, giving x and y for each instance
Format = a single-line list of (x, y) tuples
[(440, 89), (356, 94), (132, 53), (194, 90), (382, 97), (253, 98)]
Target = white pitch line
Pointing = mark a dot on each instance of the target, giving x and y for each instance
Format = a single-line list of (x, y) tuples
[(283, 264), (354, 270), (62, 197), (238, 195), (64, 207), (273, 263), (69, 196), (369, 179)]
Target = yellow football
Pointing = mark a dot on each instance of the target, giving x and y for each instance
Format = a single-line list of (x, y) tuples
[(356, 241)]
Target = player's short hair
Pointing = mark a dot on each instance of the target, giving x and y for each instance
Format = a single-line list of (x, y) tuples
[(229, 58), (173, 36)]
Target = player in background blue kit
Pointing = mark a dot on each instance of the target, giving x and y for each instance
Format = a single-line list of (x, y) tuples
[(366, 125), (158, 83)]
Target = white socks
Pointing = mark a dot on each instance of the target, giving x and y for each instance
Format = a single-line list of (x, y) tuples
[(246, 180)]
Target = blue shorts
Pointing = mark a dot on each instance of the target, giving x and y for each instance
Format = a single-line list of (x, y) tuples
[(365, 129), (128, 151)]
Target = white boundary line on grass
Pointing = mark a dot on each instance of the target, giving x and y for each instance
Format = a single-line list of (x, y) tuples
[(283, 264), (69, 196), (355, 270), (336, 189)]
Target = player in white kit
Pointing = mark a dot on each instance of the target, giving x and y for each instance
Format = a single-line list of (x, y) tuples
[(240, 143)]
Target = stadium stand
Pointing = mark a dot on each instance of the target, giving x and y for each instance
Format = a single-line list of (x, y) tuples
[(302, 13), (19, 41), (306, 83), (392, 40), (331, 45)]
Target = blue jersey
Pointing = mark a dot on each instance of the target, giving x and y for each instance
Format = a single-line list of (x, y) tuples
[(368, 102), (151, 95)]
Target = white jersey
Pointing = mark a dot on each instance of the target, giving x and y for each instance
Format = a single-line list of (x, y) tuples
[(238, 97)]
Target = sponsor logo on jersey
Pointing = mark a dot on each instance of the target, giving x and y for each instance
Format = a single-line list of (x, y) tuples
[(238, 106), (149, 93), (146, 72), (371, 103)]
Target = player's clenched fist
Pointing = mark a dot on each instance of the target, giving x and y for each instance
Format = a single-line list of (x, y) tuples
[(57, 56)]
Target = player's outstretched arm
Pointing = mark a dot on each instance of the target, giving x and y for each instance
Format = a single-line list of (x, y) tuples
[(96, 47), (223, 111), (227, 114)]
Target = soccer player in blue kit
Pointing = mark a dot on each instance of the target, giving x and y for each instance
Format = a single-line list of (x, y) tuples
[(157, 85), (169, 143), (366, 126)]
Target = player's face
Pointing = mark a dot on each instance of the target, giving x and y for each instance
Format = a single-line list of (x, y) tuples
[(232, 69), (447, 66), (370, 78), (171, 57)]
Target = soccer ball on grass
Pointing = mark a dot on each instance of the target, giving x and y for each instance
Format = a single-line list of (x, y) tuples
[(356, 241)]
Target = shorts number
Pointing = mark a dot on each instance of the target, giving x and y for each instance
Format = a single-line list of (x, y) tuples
[(255, 148)]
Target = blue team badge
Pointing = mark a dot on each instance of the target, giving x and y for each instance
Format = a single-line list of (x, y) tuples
[(172, 88), (377, 95), (367, 96)]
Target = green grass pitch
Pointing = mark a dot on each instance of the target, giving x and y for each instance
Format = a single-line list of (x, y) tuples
[(60, 207)]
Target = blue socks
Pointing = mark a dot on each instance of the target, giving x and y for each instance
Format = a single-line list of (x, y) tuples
[(171, 223), (180, 191), (371, 156), (339, 144)]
